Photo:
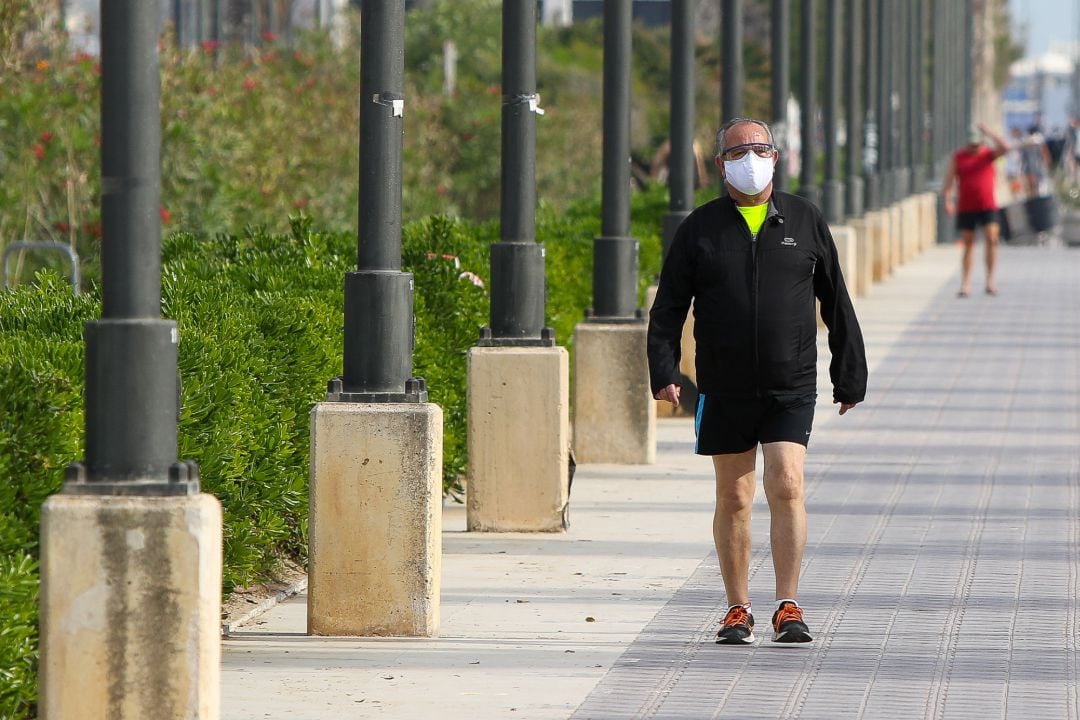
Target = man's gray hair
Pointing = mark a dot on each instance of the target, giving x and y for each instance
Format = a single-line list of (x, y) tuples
[(739, 121)]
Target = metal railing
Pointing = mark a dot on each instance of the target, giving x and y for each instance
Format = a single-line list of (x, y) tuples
[(66, 250)]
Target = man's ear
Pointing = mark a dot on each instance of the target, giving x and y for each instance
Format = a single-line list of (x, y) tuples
[(719, 166)]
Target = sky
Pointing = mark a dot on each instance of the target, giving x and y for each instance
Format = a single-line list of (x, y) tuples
[(1048, 22)]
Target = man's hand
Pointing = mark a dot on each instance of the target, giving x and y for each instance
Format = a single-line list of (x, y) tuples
[(844, 407), (670, 393)]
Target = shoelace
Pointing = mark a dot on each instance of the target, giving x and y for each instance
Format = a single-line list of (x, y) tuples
[(737, 616), (788, 613)]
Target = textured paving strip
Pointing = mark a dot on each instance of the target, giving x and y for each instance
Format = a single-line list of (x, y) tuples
[(941, 569)]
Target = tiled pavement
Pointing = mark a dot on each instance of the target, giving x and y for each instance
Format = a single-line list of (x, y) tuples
[(941, 570), (940, 578)]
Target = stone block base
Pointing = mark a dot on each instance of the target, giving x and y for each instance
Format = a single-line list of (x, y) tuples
[(847, 248), (896, 236), (375, 520), (130, 608), (519, 439), (614, 411), (865, 228)]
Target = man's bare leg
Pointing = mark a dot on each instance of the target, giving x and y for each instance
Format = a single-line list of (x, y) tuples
[(991, 233), (967, 239), (787, 504), (735, 487)]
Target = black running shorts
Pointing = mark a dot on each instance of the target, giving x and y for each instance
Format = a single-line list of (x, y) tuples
[(972, 220), (734, 425)]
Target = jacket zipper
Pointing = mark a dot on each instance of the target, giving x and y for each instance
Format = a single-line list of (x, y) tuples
[(754, 306)]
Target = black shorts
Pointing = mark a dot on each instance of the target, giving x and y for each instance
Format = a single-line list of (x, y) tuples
[(972, 220), (734, 425)]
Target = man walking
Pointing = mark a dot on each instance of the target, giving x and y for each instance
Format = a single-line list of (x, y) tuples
[(971, 175), (753, 263)]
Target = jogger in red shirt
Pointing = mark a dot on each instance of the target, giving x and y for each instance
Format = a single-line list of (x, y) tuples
[(971, 170)]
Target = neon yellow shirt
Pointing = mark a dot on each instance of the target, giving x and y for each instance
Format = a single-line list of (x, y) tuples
[(754, 215)]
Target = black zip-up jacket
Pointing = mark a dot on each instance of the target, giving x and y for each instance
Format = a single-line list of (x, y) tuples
[(754, 310)]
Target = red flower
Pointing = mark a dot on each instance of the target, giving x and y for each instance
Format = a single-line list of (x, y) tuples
[(62, 226), (166, 217), (249, 83), (93, 229), (269, 36), (46, 137), (81, 57), (39, 151), (209, 46)]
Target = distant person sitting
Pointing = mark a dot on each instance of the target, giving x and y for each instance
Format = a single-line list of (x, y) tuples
[(971, 173), (1035, 159)]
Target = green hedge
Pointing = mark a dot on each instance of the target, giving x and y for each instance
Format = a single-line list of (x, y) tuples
[(260, 334)]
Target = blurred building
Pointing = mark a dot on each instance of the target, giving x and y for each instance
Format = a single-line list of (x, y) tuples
[(1041, 91)]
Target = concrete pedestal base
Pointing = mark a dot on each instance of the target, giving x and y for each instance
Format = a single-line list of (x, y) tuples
[(913, 229), (865, 227), (847, 248), (896, 235), (130, 608), (928, 218), (519, 439), (376, 519), (614, 411)]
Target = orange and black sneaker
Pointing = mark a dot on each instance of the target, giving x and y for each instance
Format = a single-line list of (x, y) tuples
[(788, 625), (737, 628)]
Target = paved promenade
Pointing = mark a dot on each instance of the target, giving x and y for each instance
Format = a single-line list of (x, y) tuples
[(940, 578)]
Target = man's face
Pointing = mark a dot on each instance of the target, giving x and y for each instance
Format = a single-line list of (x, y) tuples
[(743, 134)]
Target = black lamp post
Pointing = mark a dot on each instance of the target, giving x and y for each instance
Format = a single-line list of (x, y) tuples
[(615, 254), (781, 84), (681, 166), (132, 388), (808, 121), (378, 296), (517, 261)]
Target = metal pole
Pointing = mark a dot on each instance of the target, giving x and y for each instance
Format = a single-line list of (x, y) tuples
[(898, 126), (681, 168), (615, 254), (132, 388), (914, 122), (885, 27), (781, 85), (517, 261), (808, 78), (871, 99), (918, 101), (833, 189), (378, 296), (969, 65), (853, 197), (217, 28), (732, 52), (935, 90), (178, 22)]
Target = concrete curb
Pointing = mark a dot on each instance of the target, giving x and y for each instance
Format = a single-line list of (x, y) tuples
[(289, 591)]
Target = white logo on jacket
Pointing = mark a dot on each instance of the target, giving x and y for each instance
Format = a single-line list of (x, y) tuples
[(790, 242)]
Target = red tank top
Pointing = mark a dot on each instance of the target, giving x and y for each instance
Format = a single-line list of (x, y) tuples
[(975, 175)]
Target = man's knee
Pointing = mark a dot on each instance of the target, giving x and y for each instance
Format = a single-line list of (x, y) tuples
[(784, 485)]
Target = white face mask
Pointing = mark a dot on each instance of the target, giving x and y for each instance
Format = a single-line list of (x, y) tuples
[(749, 174)]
